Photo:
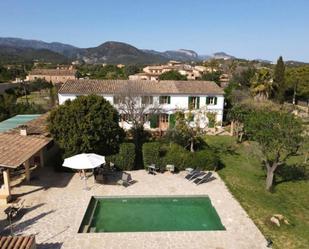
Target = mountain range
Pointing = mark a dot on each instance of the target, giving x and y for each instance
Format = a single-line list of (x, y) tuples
[(24, 50), (17, 50)]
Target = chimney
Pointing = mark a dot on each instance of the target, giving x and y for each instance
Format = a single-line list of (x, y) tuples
[(23, 130)]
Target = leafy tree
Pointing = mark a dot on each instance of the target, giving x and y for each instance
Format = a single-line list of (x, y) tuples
[(213, 64), (297, 79), (172, 75), (262, 84), (212, 76), (131, 69), (243, 78), (278, 135), (184, 133), (279, 80), (86, 124)]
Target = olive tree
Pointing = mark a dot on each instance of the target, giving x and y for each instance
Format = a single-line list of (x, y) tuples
[(279, 135), (86, 124)]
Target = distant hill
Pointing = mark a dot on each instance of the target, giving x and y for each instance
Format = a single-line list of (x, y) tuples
[(118, 52), (178, 55), (10, 54), (222, 55), (64, 49), (295, 63)]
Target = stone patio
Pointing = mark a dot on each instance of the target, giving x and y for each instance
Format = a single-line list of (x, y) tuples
[(56, 202)]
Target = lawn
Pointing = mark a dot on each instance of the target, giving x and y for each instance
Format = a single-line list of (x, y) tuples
[(245, 178), (39, 97)]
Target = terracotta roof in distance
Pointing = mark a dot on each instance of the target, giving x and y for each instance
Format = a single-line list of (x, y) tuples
[(52, 72)]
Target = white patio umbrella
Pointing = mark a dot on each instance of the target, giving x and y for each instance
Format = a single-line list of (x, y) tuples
[(84, 161)]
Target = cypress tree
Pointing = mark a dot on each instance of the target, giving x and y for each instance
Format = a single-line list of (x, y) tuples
[(279, 81)]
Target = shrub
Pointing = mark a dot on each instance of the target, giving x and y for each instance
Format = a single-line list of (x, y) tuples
[(176, 155), (211, 119), (205, 160), (125, 158), (153, 153)]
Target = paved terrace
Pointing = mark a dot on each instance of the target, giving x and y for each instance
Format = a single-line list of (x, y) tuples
[(55, 205)]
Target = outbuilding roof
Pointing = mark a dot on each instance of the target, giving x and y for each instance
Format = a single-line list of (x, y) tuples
[(146, 87), (17, 242), (15, 149)]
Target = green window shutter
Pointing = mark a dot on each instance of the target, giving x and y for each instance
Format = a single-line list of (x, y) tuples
[(190, 102), (215, 100), (172, 120), (198, 102), (207, 101), (169, 99), (154, 121)]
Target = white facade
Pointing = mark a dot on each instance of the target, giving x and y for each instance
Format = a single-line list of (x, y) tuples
[(177, 103)]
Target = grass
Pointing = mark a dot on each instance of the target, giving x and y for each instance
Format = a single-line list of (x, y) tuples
[(245, 178), (40, 98)]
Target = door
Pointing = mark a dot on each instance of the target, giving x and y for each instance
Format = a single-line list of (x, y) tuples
[(163, 122)]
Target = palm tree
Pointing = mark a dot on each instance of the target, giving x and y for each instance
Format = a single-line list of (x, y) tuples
[(262, 84)]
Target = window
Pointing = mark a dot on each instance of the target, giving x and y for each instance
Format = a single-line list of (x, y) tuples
[(165, 99), (147, 100), (194, 102), (211, 100)]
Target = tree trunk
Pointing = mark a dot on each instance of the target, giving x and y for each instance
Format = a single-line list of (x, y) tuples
[(232, 128), (269, 179), (192, 146)]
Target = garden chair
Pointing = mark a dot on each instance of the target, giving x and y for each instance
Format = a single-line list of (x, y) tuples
[(126, 179)]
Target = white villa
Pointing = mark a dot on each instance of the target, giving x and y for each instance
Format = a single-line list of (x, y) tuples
[(168, 97)]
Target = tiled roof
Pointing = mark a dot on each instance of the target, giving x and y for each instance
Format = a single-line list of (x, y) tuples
[(115, 87), (17, 242), (15, 149), (53, 72)]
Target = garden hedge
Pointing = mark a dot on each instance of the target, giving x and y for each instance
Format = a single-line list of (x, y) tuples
[(162, 154), (125, 158)]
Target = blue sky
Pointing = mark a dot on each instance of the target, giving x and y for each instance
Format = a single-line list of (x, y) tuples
[(244, 28)]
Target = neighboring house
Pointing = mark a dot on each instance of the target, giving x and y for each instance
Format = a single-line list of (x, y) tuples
[(59, 75), (166, 97), (144, 76), (224, 80), (153, 72)]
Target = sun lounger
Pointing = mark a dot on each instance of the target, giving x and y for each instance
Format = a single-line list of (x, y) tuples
[(195, 173), (125, 180), (191, 173), (205, 178)]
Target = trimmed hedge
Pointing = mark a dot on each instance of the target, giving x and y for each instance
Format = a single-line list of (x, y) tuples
[(163, 154), (152, 154), (125, 158), (176, 155)]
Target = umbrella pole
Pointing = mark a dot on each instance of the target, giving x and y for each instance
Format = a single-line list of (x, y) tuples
[(86, 186)]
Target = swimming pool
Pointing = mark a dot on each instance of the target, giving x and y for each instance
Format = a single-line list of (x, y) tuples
[(17, 120), (150, 214)]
